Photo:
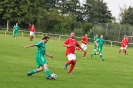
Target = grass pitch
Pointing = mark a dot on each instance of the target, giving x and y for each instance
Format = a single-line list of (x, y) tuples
[(15, 61)]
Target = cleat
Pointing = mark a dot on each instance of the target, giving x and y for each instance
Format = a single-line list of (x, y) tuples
[(84, 57), (91, 55), (28, 74), (69, 73), (65, 66), (102, 60), (50, 78)]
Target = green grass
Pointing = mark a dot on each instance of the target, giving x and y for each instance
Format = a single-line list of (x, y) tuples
[(15, 61)]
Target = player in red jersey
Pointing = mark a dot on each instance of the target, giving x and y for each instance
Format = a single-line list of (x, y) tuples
[(84, 44), (84, 41), (32, 31), (123, 46), (71, 44)]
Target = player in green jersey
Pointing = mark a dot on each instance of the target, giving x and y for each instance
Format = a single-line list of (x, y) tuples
[(15, 30), (40, 58), (95, 41), (100, 45)]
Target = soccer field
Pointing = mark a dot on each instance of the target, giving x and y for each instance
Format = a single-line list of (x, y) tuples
[(15, 61)]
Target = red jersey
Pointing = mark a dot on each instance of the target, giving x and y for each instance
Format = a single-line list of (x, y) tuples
[(123, 43), (84, 40), (32, 29), (73, 43), (126, 41)]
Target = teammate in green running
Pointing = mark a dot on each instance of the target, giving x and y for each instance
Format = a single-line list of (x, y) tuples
[(100, 45), (95, 41), (40, 58), (15, 30)]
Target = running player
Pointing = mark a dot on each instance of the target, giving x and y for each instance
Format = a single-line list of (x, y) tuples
[(84, 41), (123, 46), (71, 43), (84, 44), (32, 31), (95, 41), (15, 30), (40, 59), (100, 46)]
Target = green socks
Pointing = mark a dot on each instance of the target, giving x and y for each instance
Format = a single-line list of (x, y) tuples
[(94, 54), (47, 72), (33, 72), (101, 57)]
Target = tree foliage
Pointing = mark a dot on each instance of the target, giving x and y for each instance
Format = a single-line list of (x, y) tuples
[(126, 15), (56, 15)]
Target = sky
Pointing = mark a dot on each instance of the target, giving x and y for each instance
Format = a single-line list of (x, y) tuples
[(114, 6)]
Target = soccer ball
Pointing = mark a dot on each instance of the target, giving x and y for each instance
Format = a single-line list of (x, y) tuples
[(54, 75)]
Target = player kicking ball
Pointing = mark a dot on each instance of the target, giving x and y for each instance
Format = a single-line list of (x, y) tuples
[(71, 44), (100, 45), (40, 58)]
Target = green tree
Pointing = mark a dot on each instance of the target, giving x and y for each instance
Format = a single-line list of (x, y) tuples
[(126, 15)]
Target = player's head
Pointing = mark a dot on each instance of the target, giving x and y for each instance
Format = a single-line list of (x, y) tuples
[(72, 35), (96, 34), (45, 39), (32, 25), (101, 36), (16, 24), (86, 35), (125, 36)]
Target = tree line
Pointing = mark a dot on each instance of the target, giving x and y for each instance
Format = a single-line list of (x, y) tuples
[(60, 16)]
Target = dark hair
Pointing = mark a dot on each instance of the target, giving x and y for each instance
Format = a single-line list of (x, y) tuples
[(45, 37)]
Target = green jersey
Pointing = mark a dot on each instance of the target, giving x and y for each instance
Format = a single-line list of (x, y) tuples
[(100, 42), (41, 48), (16, 28), (95, 38)]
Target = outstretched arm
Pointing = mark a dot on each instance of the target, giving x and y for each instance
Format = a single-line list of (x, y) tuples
[(80, 48), (29, 24), (51, 56), (29, 46)]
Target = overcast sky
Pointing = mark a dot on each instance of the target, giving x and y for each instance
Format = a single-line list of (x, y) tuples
[(114, 5)]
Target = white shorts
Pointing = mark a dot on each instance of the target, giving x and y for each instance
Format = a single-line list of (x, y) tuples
[(84, 46), (71, 57), (122, 48), (32, 33), (126, 46)]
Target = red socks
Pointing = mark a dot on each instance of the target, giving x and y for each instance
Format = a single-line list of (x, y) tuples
[(85, 54), (72, 62), (71, 68), (31, 38), (125, 52)]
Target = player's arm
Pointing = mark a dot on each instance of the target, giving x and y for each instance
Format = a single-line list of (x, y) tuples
[(51, 56), (29, 24), (65, 44), (79, 46), (29, 46)]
